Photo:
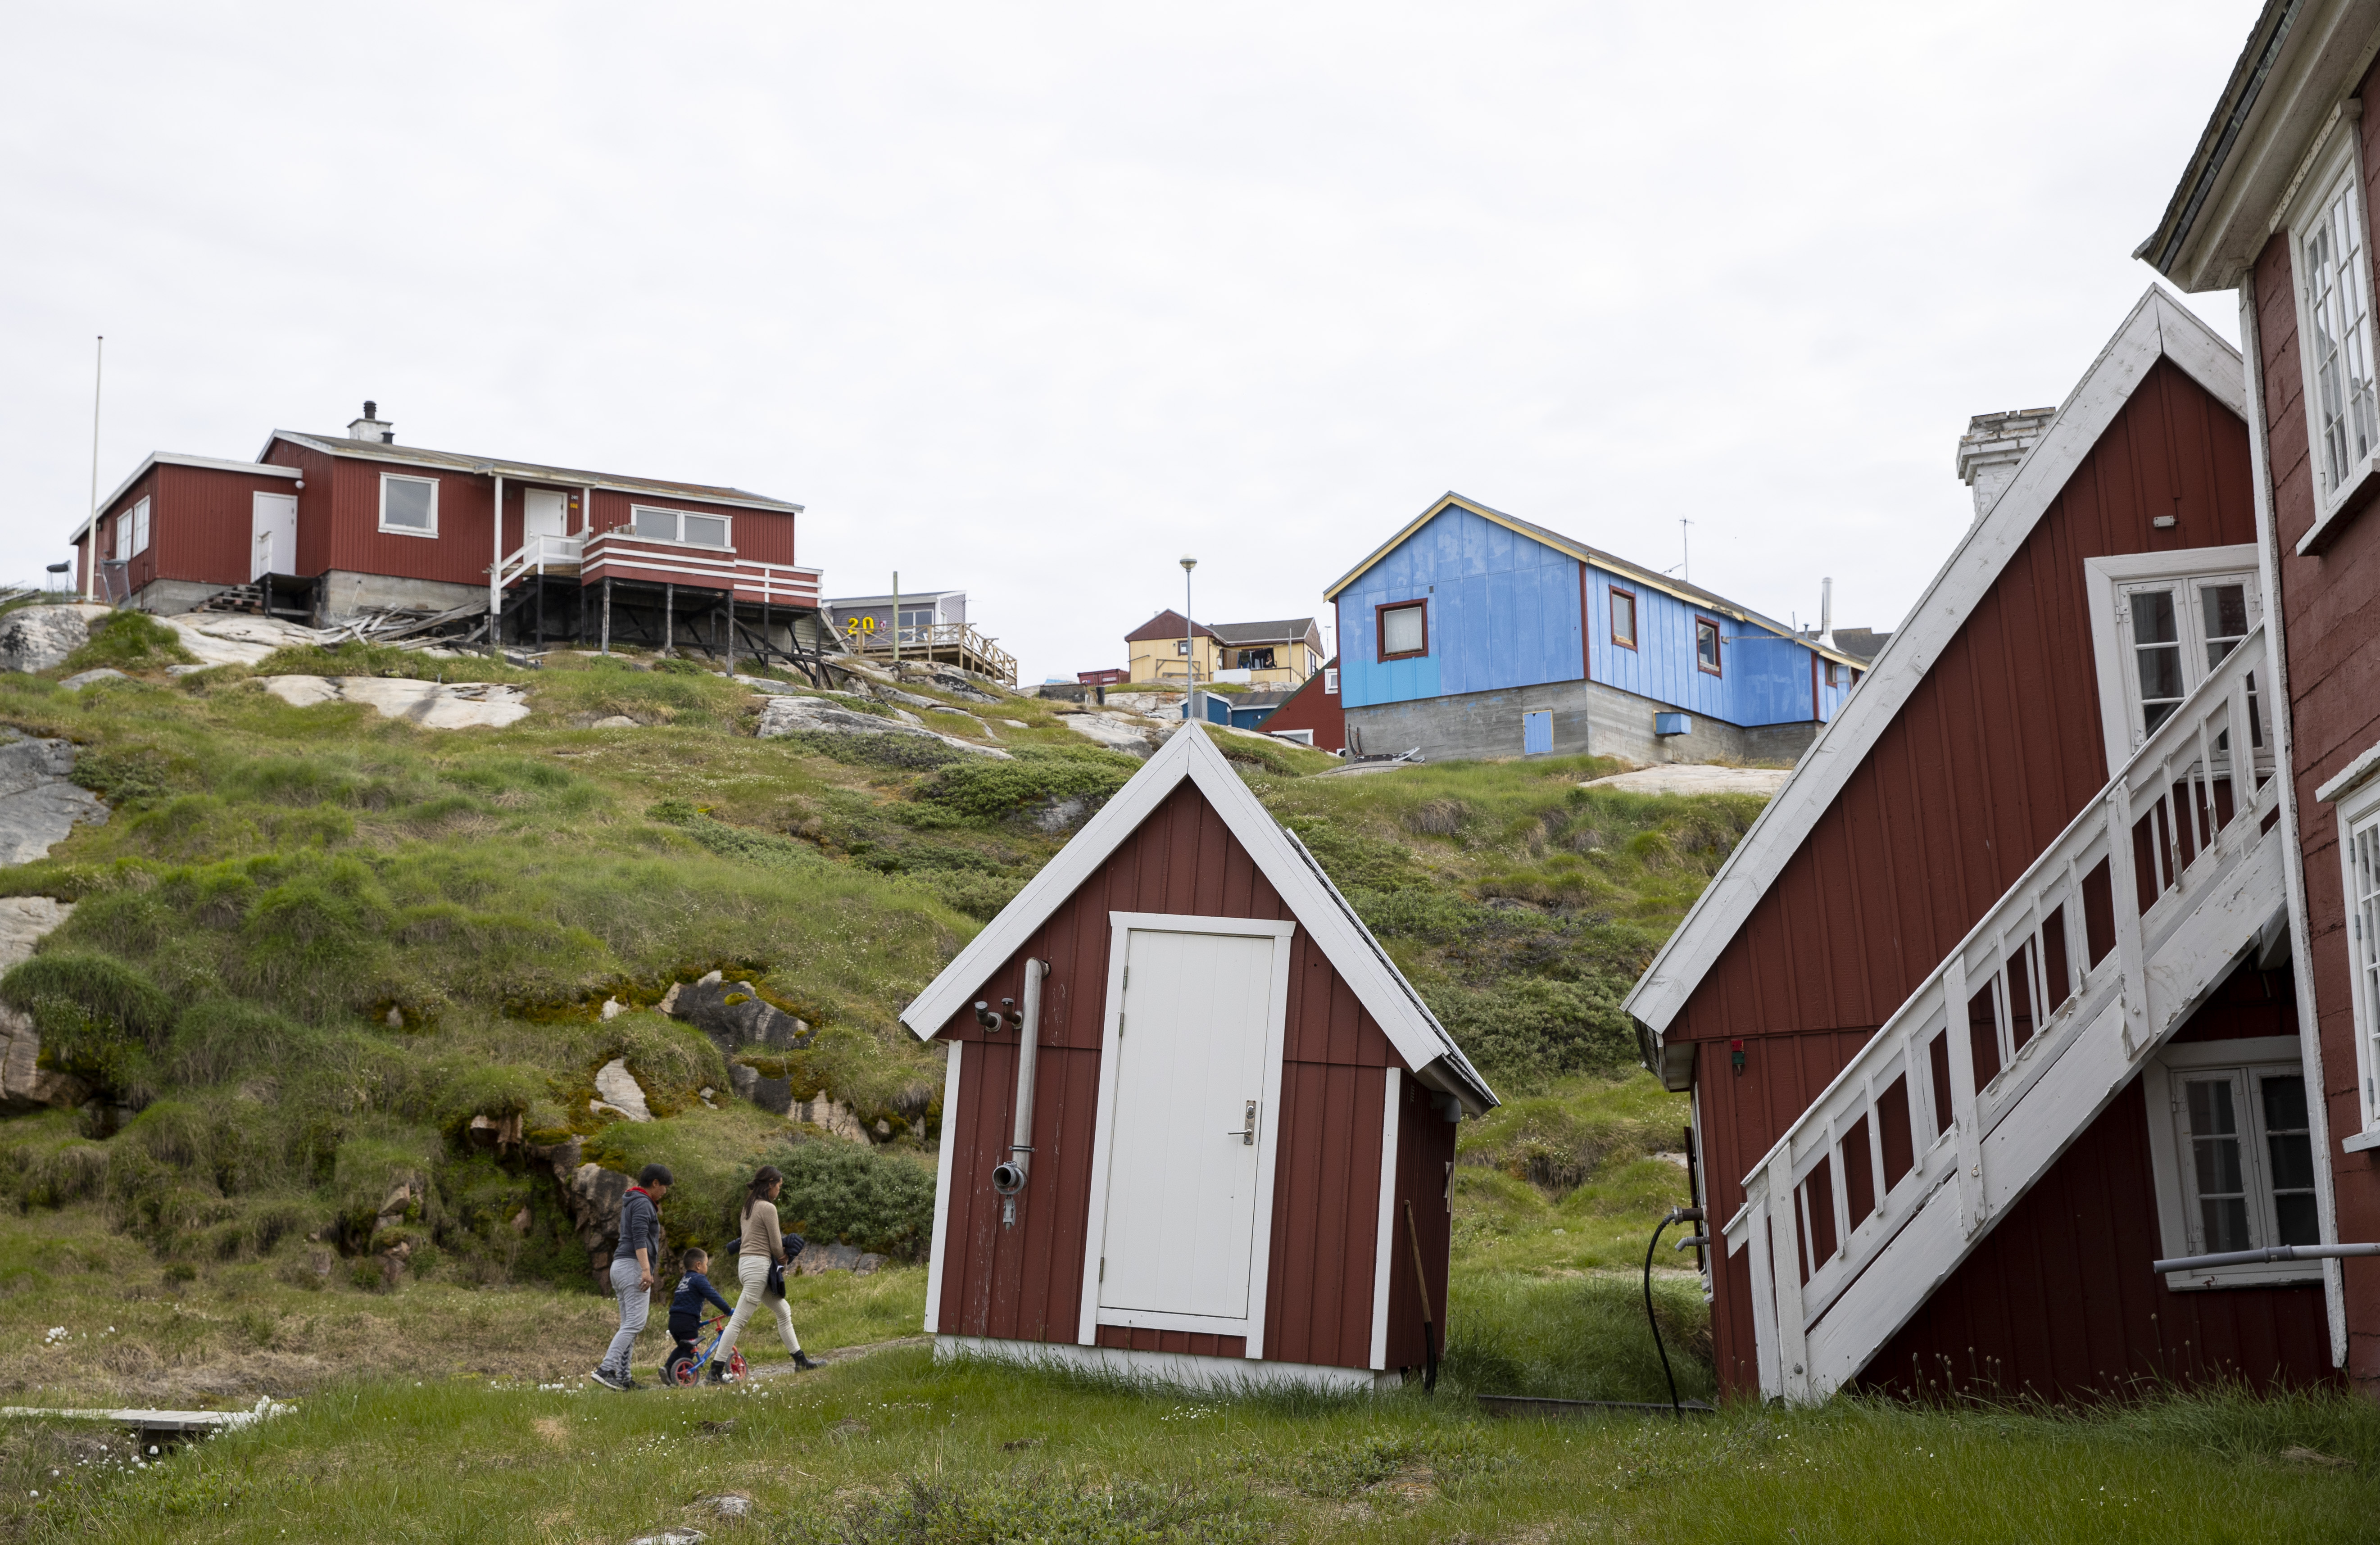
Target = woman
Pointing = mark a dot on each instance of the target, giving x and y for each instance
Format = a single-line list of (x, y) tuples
[(764, 1246)]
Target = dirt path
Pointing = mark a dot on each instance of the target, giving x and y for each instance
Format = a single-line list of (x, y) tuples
[(840, 1354)]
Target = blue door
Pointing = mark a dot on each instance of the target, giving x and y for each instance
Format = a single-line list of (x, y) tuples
[(1538, 732)]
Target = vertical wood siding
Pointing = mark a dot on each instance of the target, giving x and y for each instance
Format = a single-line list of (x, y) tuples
[(142, 569), (1025, 1284), (1991, 755), (2330, 610), (1310, 707), (1503, 613), (209, 533)]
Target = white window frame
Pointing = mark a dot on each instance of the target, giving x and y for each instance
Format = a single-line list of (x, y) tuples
[(2355, 797), (138, 516), (2335, 168), (677, 524), (2160, 1083), (388, 478), (1330, 681), (2120, 684)]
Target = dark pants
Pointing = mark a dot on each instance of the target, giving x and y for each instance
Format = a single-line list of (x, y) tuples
[(683, 1328)]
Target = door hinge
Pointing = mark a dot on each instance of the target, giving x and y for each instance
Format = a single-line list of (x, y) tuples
[(1127, 976), (1119, 1027)]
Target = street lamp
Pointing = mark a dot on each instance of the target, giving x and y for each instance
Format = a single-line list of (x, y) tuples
[(1189, 639)]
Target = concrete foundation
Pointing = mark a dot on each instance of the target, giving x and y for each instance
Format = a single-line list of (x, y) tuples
[(346, 592), (1588, 718), (167, 598)]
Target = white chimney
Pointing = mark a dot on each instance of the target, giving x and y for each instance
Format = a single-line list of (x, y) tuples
[(370, 427), (1994, 444), (1827, 611)]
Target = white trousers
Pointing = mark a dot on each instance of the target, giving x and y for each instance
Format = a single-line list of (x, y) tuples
[(753, 1273)]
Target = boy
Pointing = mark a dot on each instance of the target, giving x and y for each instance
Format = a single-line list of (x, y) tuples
[(693, 1290), (632, 1270)]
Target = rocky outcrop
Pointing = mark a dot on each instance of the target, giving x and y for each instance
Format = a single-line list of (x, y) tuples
[(734, 1016), (38, 805), (590, 1198), (231, 638), (81, 679), (1128, 733), (617, 1092), (790, 715), (959, 686), (36, 638), (830, 1116), (25, 1085), (432, 705), (26, 921)]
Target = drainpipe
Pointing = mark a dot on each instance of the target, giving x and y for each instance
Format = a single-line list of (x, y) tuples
[(1010, 1177), (496, 577)]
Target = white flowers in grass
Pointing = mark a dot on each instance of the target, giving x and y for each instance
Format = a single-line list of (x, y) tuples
[(57, 1333)]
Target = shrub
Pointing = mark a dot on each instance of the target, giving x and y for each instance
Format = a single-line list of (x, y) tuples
[(129, 642), (852, 1195), (1528, 1030), (99, 1019), (983, 789)]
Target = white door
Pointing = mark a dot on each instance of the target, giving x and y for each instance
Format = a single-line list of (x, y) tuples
[(1189, 1129), (547, 513), (274, 523)]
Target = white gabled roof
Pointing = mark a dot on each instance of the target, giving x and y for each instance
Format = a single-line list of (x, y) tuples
[(1318, 907), (2159, 328)]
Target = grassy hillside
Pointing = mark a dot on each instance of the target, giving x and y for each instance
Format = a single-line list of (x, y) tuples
[(311, 945)]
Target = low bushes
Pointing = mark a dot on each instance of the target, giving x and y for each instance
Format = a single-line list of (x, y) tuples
[(984, 790), (843, 1193)]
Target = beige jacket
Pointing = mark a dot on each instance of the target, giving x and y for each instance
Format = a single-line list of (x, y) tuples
[(763, 1237)]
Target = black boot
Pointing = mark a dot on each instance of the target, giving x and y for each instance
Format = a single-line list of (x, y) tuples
[(802, 1360)]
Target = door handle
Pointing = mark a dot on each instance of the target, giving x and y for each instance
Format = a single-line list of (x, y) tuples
[(1246, 1132)]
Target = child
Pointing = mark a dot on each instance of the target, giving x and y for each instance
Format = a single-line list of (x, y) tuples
[(693, 1290)]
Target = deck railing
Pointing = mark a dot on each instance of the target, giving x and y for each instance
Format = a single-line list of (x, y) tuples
[(2061, 956), (622, 554), (929, 640)]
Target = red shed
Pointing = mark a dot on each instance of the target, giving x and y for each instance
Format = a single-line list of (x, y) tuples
[(1195, 1122), (1314, 708)]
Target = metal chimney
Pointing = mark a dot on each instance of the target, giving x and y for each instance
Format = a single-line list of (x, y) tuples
[(1827, 611)]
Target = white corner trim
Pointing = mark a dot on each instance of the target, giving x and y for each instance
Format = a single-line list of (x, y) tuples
[(2156, 328), (2351, 777), (1384, 1233), (1190, 755), (942, 1164)]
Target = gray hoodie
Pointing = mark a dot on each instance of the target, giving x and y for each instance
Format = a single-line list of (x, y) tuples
[(640, 1228)]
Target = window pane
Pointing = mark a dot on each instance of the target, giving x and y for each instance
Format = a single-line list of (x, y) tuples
[(2225, 1220), (657, 523), (2226, 610), (707, 531), (1401, 631), (405, 501), (2293, 1217), (1706, 645), (2153, 620), (1624, 619), (2285, 1109)]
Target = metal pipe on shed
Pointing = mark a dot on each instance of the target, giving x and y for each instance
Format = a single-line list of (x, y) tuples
[(1008, 1179)]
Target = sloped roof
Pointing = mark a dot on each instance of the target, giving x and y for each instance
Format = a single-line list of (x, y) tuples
[(1692, 594), (2159, 328), (1289, 630), (531, 471), (1165, 624), (1316, 903)]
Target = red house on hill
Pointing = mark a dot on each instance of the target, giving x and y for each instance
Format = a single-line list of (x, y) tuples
[(1995, 1007), (1195, 1122), (321, 526), (1314, 708)]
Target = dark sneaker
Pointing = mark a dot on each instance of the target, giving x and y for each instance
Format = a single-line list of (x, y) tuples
[(611, 1380)]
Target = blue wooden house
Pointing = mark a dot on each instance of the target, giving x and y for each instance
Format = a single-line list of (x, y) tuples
[(1472, 633)]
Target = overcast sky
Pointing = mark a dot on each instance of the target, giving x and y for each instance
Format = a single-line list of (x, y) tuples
[(1030, 299)]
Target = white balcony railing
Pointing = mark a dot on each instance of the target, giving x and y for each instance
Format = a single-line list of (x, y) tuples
[(1949, 1113)]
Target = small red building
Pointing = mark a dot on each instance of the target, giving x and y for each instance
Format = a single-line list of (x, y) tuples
[(1314, 710), (1195, 1123), (323, 525)]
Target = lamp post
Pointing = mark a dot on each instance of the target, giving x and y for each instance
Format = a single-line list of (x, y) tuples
[(1189, 640)]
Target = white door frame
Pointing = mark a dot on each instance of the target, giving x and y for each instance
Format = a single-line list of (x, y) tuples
[(277, 560), (1121, 925)]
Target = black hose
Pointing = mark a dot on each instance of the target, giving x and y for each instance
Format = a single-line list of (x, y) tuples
[(1653, 1321)]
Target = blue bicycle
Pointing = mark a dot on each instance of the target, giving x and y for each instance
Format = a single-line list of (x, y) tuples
[(685, 1369)]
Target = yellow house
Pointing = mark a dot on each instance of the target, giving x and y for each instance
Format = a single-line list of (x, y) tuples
[(1280, 653)]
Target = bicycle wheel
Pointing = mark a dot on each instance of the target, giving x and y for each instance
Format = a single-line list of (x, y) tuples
[(679, 1369)]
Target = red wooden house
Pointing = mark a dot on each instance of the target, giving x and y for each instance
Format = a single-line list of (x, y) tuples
[(321, 526), (1995, 1006), (1195, 1123), (1314, 708), (2277, 203)]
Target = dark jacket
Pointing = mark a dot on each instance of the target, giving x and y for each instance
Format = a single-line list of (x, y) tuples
[(693, 1290), (640, 1227)]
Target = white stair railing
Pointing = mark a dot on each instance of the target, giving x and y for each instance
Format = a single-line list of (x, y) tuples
[(1947, 1115), (537, 553)]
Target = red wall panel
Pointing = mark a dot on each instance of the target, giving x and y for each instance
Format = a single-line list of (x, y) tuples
[(1025, 1283), (1310, 707)]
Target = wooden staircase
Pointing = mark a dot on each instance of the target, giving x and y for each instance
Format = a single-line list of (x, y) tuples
[(2017, 1041)]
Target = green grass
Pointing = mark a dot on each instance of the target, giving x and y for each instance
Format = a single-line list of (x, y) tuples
[(893, 1448)]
